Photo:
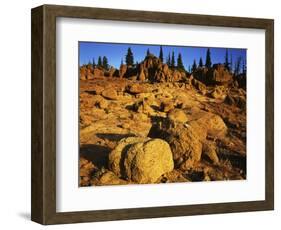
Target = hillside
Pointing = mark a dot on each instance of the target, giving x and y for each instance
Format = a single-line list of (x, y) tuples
[(150, 123)]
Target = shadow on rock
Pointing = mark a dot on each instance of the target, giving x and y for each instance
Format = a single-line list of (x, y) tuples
[(98, 154), (113, 136)]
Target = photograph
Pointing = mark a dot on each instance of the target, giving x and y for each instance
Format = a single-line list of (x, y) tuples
[(156, 113)]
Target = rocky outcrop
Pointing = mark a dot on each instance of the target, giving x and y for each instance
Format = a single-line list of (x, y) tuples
[(217, 75), (186, 133), (122, 70), (201, 87)]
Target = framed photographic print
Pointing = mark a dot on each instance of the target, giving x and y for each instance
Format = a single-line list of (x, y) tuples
[(141, 114)]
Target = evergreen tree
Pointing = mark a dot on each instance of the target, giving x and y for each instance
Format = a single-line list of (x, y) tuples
[(231, 64), (208, 62), (99, 61), (94, 63), (237, 65), (200, 62), (226, 62), (168, 61), (179, 62), (161, 54), (189, 69), (173, 62), (122, 62), (129, 57), (244, 68), (194, 66), (105, 62), (147, 52)]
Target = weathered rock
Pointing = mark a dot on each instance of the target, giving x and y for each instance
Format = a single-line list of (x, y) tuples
[(109, 178), (219, 92), (135, 89), (111, 72), (110, 94), (102, 103), (209, 149), (176, 76), (177, 115), (86, 169), (199, 86), (236, 100), (122, 70), (98, 72), (173, 176), (185, 145), (117, 155), (141, 76), (146, 161), (211, 123), (90, 75), (97, 89), (166, 106), (219, 75), (143, 106)]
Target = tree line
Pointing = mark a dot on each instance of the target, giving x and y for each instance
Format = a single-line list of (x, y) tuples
[(238, 67)]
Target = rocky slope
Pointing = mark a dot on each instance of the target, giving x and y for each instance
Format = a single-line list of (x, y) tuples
[(152, 124)]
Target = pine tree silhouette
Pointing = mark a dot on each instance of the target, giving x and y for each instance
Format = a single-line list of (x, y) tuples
[(173, 62), (200, 62), (161, 54), (105, 63), (180, 63), (226, 62), (194, 66), (99, 62), (129, 57), (208, 62)]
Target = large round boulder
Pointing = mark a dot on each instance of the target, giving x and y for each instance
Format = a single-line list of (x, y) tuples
[(146, 161), (117, 155)]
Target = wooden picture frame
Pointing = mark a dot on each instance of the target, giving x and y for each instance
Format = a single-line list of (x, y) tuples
[(43, 208)]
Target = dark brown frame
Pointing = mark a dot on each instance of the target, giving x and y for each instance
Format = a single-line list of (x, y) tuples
[(43, 188)]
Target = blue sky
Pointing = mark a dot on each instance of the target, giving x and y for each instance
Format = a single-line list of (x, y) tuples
[(117, 51)]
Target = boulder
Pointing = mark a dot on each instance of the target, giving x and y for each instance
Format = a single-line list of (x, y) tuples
[(96, 89), (177, 115), (236, 100), (110, 94), (102, 103), (207, 123), (219, 75), (143, 106), (219, 92), (98, 72), (146, 161), (166, 106), (109, 178), (135, 89), (199, 86), (185, 145), (122, 70), (209, 150), (116, 156), (141, 76)]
